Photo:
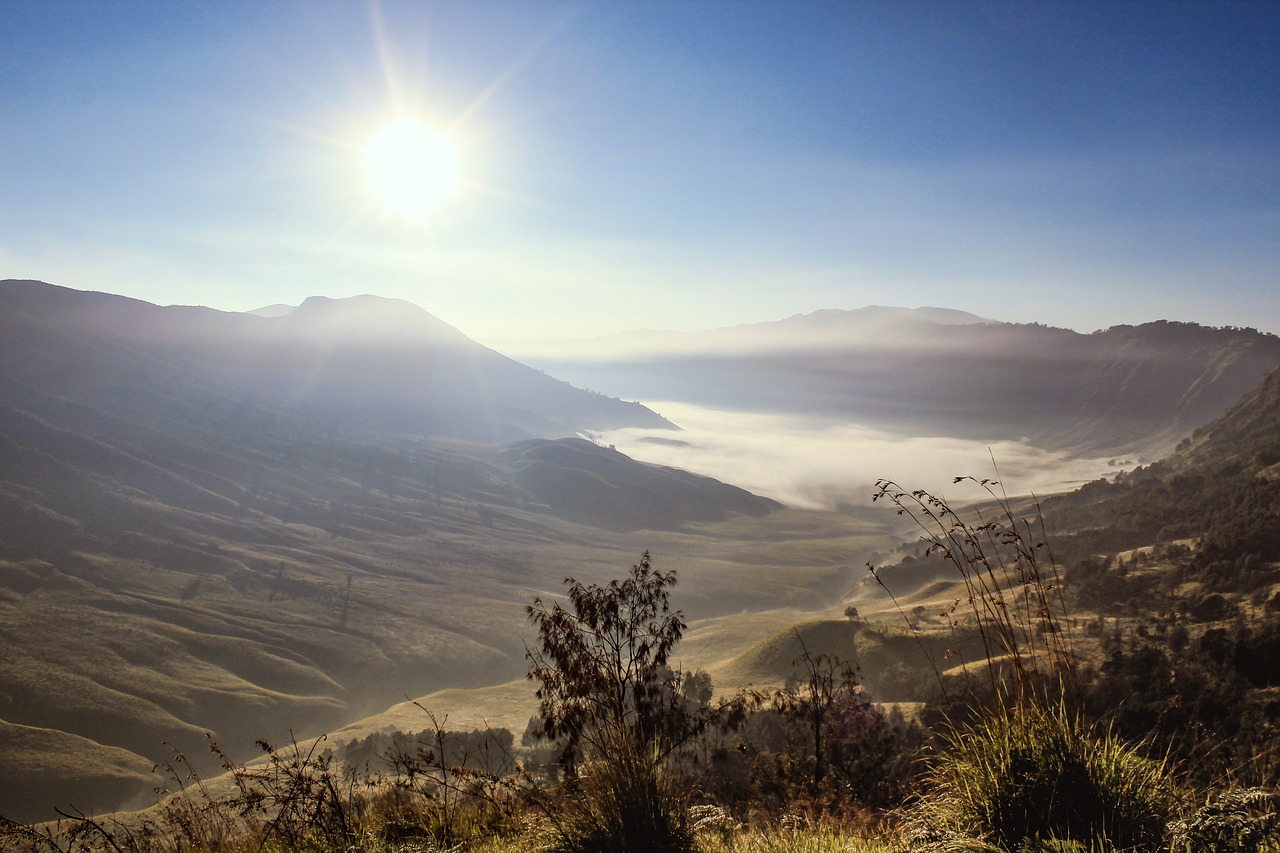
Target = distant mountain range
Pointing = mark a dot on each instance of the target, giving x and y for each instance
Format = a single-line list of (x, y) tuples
[(929, 371), (364, 366)]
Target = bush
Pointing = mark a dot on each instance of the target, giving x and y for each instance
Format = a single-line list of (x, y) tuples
[(1237, 821), (606, 689), (1031, 774)]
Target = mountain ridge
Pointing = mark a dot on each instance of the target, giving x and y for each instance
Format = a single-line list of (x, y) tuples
[(346, 362), (826, 321), (1126, 390)]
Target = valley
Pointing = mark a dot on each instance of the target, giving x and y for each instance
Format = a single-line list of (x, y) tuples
[(275, 531), (639, 427)]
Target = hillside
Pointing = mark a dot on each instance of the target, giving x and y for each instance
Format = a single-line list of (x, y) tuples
[(1221, 486), (1247, 435), (600, 486), (144, 601), (1124, 390)]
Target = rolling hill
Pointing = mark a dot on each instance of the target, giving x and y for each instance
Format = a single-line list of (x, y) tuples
[(600, 486)]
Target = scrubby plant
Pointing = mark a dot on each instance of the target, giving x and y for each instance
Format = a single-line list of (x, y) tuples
[(842, 750), (1237, 821), (627, 802), (458, 786), (826, 689), (606, 689), (1013, 589)]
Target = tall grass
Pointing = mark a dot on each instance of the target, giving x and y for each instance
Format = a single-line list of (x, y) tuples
[(1028, 772), (790, 834), (1013, 588), (1035, 773)]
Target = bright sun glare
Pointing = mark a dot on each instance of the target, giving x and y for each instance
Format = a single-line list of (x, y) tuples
[(411, 170)]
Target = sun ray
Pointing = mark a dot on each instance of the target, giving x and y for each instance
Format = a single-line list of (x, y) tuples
[(496, 85)]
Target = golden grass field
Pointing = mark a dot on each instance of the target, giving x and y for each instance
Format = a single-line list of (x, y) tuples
[(317, 603)]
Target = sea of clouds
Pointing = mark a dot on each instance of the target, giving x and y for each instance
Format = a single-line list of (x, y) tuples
[(812, 465)]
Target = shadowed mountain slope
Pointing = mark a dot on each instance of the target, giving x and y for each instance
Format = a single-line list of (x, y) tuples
[(1128, 389), (1247, 435), (601, 486)]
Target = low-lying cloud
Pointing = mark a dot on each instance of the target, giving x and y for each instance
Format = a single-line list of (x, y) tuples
[(806, 464)]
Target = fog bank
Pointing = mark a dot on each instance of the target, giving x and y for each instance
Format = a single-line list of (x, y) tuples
[(812, 465)]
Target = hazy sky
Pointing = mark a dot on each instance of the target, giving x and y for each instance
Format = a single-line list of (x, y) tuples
[(670, 165)]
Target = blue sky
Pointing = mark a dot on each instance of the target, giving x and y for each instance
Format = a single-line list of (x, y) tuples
[(676, 165)]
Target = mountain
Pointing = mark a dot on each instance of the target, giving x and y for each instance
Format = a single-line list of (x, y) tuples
[(368, 365), (828, 329), (1246, 436), (928, 371)]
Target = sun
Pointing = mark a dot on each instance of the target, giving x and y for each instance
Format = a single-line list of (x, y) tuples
[(411, 170)]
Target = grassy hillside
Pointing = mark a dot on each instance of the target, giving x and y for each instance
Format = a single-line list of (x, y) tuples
[(153, 586), (60, 768), (1221, 487)]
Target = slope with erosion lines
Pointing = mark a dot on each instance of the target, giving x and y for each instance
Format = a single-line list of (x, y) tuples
[(1221, 486)]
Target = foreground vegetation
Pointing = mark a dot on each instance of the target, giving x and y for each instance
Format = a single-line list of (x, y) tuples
[(1017, 748)]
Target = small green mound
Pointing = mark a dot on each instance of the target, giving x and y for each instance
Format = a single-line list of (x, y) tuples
[(893, 664)]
